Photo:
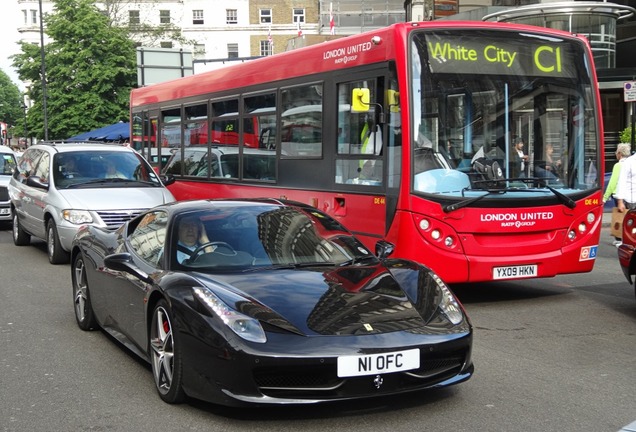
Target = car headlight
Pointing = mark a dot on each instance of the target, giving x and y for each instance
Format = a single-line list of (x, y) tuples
[(246, 327), (448, 304), (77, 217)]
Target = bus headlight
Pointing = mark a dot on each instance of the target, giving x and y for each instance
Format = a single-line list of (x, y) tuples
[(591, 218), (436, 234), (448, 241), (582, 227), (425, 224), (571, 235)]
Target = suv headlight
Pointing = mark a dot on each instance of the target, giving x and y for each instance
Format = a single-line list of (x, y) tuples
[(77, 217)]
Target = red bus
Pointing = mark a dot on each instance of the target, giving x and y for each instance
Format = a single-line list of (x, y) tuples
[(407, 134)]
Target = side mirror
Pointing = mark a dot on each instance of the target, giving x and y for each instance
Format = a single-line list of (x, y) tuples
[(123, 262), (383, 249), (35, 182), (167, 179)]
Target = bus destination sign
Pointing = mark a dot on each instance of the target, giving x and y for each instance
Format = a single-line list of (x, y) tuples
[(470, 55)]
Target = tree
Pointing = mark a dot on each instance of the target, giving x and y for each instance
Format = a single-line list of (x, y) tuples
[(11, 111), (90, 70)]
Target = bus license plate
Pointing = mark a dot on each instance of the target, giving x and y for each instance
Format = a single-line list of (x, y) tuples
[(374, 364), (514, 272)]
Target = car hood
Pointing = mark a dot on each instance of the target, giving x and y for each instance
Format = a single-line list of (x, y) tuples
[(318, 301), (116, 198)]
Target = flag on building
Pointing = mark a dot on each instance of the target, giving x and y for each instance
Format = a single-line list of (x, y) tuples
[(332, 24), (300, 31)]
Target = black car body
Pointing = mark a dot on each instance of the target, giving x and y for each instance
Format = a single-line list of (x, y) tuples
[(288, 308)]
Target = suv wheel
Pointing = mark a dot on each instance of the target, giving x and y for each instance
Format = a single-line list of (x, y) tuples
[(57, 255), (20, 237)]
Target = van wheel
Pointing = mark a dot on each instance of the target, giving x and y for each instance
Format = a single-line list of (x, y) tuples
[(20, 237), (57, 255)]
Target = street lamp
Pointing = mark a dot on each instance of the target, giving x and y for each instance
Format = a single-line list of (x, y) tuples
[(43, 69), (26, 131)]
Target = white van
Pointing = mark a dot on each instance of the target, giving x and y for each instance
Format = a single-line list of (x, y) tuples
[(58, 187)]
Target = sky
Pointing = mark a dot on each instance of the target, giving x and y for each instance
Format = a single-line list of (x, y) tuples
[(10, 18)]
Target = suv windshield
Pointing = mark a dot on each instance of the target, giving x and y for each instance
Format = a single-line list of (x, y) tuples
[(7, 163), (515, 114), (79, 168)]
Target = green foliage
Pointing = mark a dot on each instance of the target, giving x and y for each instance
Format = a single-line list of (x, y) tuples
[(90, 68), (626, 135), (11, 111)]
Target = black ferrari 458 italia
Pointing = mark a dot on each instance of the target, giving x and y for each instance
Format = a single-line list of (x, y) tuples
[(263, 301)]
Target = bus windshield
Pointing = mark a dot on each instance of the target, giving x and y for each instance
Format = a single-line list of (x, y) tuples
[(513, 114)]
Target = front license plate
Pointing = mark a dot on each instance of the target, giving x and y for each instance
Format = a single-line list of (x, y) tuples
[(514, 272), (373, 364), (5, 211)]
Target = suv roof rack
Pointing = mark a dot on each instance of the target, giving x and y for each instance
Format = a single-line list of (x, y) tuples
[(57, 142)]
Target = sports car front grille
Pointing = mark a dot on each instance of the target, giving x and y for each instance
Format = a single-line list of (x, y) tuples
[(322, 382), (115, 218), (4, 193)]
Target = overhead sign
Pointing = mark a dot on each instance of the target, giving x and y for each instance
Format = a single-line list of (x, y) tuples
[(629, 91)]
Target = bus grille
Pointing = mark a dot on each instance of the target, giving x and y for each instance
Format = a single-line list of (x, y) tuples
[(115, 218), (4, 193)]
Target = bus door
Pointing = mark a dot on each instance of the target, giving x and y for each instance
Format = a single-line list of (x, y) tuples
[(366, 129)]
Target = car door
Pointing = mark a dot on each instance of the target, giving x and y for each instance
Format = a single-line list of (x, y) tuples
[(30, 199), (146, 245)]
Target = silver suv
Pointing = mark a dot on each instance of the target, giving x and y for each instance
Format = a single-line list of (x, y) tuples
[(7, 166), (58, 187)]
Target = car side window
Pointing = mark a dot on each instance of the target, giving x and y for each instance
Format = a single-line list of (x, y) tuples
[(43, 168), (27, 164), (149, 237)]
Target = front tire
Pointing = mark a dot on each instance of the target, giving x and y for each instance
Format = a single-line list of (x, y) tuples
[(20, 237), (84, 314), (56, 254), (165, 355)]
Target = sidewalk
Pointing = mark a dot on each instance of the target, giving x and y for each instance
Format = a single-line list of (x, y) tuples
[(607, 219)]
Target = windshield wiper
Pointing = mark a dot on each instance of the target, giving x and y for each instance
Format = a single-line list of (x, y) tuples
[(456, 206), (289, 266), (369, 259), (105, 180), (565, 200)]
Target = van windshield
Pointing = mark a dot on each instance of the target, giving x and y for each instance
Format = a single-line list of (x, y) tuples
[(79, 168)]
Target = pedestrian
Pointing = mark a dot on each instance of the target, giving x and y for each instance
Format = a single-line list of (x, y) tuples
[(625, 192), (622, 153), (519, 159)]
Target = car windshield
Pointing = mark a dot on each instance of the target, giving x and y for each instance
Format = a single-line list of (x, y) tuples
[(7, 163), (87, 168), (253, 236)]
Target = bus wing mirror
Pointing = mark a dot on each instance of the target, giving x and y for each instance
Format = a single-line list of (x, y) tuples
[(360, 98), (383, 249), (393, 99)]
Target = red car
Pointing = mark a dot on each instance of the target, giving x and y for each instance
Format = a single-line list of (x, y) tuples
[(626, 256)]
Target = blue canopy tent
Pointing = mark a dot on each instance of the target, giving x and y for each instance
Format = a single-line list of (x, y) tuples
[(116, 132)]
